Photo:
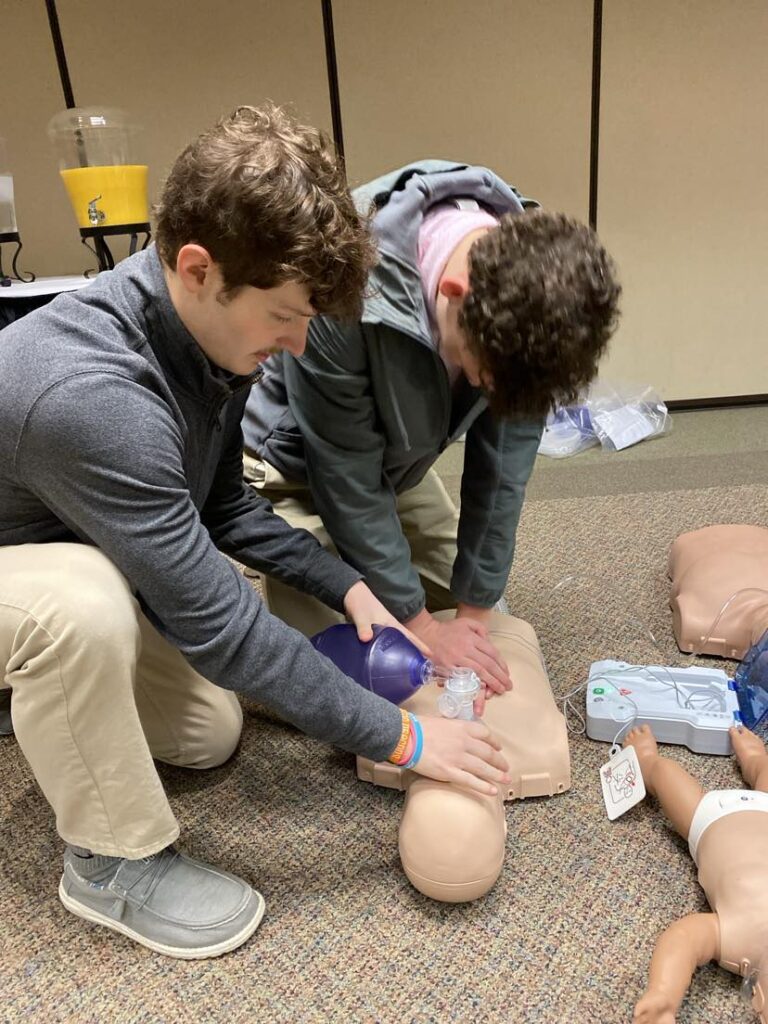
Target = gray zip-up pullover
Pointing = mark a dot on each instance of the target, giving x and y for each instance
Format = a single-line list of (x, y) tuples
[(368, 408), (116, 431)]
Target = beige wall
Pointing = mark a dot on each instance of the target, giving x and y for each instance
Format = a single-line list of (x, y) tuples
[(683, 182), (683, 192), (176, 67), (499, 82)]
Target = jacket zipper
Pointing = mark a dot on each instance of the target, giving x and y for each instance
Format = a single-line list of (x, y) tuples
[(219, 405)]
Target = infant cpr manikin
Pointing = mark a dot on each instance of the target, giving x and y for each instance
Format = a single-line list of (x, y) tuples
[(727, 833), (453, 840), (708, 567)]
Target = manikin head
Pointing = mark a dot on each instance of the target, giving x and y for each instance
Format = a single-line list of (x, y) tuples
[(258, 232), (529, 311)]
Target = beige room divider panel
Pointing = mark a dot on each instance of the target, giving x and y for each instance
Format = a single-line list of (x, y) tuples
[(683, 192), (176, 67), (504, 83), (31, 95)]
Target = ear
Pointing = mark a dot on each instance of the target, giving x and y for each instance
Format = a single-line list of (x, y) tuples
[(195, 267), (453, 286)]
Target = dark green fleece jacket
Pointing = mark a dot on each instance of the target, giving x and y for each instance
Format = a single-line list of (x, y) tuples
[(368, 408)]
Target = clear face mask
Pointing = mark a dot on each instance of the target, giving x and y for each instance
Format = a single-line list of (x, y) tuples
[(461, 688), (752, 992)]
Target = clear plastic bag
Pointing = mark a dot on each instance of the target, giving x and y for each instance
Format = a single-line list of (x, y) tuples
[(622, 416), (567, 431), (614, 417)]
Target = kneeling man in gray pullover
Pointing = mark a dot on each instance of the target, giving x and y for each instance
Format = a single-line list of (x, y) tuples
[(125, 633)]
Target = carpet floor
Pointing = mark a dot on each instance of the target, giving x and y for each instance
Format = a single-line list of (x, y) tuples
[(566, 934)]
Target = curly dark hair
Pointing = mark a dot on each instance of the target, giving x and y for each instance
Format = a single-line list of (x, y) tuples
[(542, 304), (266, 196)]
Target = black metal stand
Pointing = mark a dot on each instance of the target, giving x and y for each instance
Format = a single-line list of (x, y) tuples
[(594, 140), (12, 236), (333, 76), (100, 249)]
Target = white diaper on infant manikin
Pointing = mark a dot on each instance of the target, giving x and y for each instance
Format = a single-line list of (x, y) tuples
[(718, 804)]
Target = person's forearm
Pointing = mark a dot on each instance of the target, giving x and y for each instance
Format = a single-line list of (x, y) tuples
[(472, 611), (420, 623), (242, 525)]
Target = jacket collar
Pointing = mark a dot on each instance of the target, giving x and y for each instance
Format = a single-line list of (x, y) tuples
[(174, 347), (402, 199)]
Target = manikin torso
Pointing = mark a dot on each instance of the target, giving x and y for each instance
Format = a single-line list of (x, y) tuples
[(733, 872), (708, 567)]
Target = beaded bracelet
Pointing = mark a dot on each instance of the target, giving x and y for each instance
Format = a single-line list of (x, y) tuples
[(419, 744), (410, 745), (397, 754)]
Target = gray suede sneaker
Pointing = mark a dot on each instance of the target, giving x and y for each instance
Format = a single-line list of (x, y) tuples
[(6, 723), (174, 905)]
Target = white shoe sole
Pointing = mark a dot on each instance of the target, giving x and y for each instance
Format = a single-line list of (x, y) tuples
[(180, 953)]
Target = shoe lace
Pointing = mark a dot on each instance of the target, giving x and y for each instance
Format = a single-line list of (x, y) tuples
[(157, 867)]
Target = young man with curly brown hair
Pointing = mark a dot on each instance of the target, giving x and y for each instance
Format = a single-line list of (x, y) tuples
[(480, 315), (124, 631)]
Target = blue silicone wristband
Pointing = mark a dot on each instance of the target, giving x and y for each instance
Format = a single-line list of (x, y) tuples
[(418, 744)]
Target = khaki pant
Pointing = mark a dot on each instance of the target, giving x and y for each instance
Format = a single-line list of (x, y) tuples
[(429, 520), (97, 693)]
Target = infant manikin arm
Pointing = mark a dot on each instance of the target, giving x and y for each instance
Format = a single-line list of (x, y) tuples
[(689, 943)]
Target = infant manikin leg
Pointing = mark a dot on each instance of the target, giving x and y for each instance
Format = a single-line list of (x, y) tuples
[(452, 840), (678, 793)]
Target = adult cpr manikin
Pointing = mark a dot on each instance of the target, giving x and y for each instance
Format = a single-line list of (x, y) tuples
[(452, 840), (720, 586)]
